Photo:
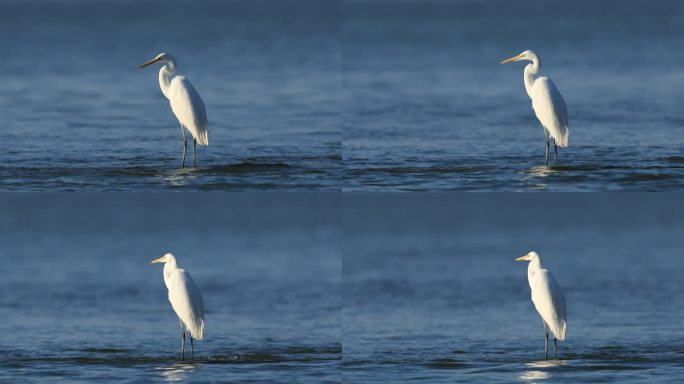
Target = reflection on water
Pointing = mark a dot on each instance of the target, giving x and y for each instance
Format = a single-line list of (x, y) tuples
[(540, 171), (537, 370), (534, 375), (180, 177), (178, 371), (537, 174)]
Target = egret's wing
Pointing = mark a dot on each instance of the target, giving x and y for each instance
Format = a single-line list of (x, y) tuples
[(186, 300), (550, 108), (549, 300), (188, 107)]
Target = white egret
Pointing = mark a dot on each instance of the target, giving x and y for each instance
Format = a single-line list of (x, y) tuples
[(547, 102), (186, 103), (185, 299), (548, 299)]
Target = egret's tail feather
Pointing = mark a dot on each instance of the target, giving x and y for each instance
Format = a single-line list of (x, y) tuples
[(562, 141), (560, 332), (197, 332), (203, 138)]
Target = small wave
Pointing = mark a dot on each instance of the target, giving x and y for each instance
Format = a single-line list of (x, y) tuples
[(447, 364), (649, 177), (247, 167), (674, 159), (105, 350), (104, 356), (399, 170)]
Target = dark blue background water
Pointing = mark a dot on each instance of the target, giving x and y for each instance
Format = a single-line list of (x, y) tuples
[(80, 301), (428, 107), (77, 114), (432, 292)]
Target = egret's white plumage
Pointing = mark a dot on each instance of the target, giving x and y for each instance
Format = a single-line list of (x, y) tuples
[(547, 102), (188, 107), (185, 102), (547, 296), (185, 297)]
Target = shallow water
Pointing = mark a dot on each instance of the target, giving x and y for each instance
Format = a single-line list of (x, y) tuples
[(80, 301), (432, 294), (428, 107), (78, 114)]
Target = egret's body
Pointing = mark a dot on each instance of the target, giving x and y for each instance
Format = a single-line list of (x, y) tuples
[(548, 299), (185, 299), (185, 102), (547, 103)]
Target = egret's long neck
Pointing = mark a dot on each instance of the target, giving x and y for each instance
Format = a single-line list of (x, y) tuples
[(534, 266), (169, 267), (531, 72), (166, 74)]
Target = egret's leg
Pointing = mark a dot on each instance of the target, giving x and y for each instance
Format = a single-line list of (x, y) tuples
[(555, 355), (547, 152), (555, 148), (183, 346), (546, 336), (194, 150), (546, 347), (182, 338), (185, 145), (192, 352), (546, 135)]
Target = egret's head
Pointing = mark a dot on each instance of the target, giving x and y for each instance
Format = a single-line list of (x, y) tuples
[(527, 55), (529, 257), (164, 259), (162, 57)]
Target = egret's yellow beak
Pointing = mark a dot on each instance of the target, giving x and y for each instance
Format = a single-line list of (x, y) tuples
[(143, 65), (159, 260), (521, 258), (512, 59)]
